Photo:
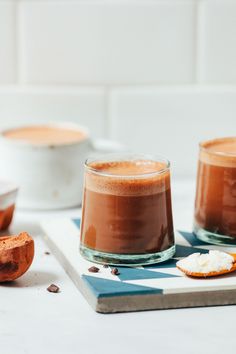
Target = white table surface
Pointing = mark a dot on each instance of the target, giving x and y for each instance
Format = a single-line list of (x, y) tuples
[(34, 321)]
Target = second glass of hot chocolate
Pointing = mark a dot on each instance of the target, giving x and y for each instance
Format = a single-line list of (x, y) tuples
[(215, 204), (127, 213)]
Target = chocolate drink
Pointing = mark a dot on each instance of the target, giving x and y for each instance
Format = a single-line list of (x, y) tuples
[(45, 134), (127, 207), (215, 205)]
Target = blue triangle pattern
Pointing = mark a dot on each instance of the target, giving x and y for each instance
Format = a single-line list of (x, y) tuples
[(171, 263), (184, 251), (106, 288), (127, 273), (77, 222), (193, 240)]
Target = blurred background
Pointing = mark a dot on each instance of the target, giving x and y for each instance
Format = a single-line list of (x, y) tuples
[(156, 75)]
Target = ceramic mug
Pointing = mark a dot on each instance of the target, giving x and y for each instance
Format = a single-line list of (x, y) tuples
[(50, 176)]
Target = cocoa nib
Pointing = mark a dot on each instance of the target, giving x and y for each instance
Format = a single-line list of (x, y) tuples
[(115, 271), (93, 269), (53, 288)]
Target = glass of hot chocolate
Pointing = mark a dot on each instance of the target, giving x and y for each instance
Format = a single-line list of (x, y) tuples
[(126, 211), (215, 203)]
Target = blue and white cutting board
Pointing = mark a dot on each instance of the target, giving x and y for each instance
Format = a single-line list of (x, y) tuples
[(158, 286)]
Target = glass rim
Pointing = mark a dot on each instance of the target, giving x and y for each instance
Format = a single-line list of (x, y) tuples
[(113, 157), (217, 140)]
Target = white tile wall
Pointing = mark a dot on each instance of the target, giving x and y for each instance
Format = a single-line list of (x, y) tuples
[(7, 42), (220, 41), (85, 106), (172, 122), (107, 42), (128, 69)]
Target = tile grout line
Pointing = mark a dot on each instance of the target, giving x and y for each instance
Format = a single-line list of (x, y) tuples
[(200, 42), (195, 37), (18, 43), (14, 3), (15, 44)]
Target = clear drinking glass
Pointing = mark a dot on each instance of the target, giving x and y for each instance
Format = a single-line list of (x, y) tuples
[(215, 203), (126, 211)]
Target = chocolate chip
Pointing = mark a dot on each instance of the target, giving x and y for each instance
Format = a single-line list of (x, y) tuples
[(47, 253), (105, 265), (115, 271), (53, 288), (93, 269)]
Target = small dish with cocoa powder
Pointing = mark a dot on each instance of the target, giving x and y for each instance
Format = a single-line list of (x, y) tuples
[(8, 193)]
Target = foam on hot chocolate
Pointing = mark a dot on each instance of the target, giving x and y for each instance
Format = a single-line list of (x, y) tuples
[(219, 152), (45, 134), (137, 177)]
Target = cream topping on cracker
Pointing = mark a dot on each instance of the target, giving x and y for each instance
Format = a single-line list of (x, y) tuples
[(214, 261)]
